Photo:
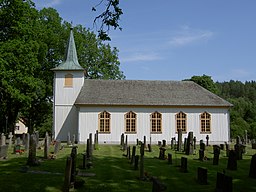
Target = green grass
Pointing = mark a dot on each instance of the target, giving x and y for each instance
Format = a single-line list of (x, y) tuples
[(115, 173)]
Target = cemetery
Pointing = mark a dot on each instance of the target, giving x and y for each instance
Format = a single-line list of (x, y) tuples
[(37, 164)]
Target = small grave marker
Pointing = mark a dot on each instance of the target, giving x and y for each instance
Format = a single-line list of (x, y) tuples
[(202, 176)]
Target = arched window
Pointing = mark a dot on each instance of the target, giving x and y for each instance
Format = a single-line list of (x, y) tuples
[(156, 122), (104, 122), (130, 122), (205, 119), (181, 121), (68, 80)]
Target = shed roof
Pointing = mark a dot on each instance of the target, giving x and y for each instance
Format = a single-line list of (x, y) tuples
[(147, 93)]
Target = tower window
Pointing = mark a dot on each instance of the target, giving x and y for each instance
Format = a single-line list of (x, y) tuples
[(68, 80)]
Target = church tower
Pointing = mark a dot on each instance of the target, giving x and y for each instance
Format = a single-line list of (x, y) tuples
[(68, 81)]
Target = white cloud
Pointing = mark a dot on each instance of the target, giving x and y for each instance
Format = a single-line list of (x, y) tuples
[(140, 57), (188, 36)]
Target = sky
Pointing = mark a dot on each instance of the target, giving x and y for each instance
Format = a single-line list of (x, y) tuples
[(177, 39)]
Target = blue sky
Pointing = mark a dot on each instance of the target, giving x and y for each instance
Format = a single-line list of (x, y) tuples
[(177, 39)]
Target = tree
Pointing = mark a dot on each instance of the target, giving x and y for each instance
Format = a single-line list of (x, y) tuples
[(108, 18), (206, 82)]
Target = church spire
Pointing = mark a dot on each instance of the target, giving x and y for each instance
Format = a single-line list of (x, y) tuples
[(71, 61)]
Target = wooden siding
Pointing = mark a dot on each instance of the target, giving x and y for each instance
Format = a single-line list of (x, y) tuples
[(65, 113), (88, 123)]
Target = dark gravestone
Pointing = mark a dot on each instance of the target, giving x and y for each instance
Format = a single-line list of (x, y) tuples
[(95, 142), (157, 185), (201, 154), (216, 155), (133, 154), (159, 143), (190, 148), (126, 142), (46, 146), (185, 144), (223, 183), (184, 165), (172, 143), (202, 145), (202, 176), (137, 141), (239, 151), (227, 149), (149, 148), (145, 140), (97, 137), (238, 140), (73, 155), (222, 146), (67, 174), (128, 155), (88, 149), (252, 172), (164, 143), (194, 142), (162, 153), (136, 162), (169, 158), (90, 145), (207, 140), (122, 140), (57, 146), (142, 161), (179, 139), (232, 163)]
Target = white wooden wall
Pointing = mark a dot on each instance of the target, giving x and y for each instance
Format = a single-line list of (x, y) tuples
[(88, 123), (65, 116)]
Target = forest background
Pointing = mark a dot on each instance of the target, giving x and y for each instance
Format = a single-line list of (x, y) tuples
[(32, 42)]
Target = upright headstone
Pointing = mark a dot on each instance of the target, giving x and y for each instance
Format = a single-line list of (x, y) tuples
[(252, 172), (239, 151), (37, 138), (172, 143), (202, 145), (23, 138), (17, 142), (67, 179), (207, 140), (216, 155), (68, 139), (122, 140), (73, 155), (142, 161), (227, 149), (46, 146), (238, 140), (3, 147), (184, 165), (10, 136), (57, 146), (202, 176), (136, 162), (245, 137), (232, 163), (3, 140), (179, 139), (157, 185), (126, 142), (194, 142), (95, 142), (32, 151), (73, 139), (88, 149), (162, 153), (185, 144), (164, 143), (201, 154), (223, 183), (27, 141), (90, 145), (149, 148), (145, 140), (169, 158), (190, 148), (133, 154)]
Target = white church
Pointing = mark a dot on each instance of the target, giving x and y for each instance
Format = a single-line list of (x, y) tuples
[(137, 108)]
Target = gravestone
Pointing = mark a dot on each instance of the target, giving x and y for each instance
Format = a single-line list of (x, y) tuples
[(157, 185), (133, 154), (57, 146), (252, 172), (238, 140), (239, 148), (159, 143), (73, 155), (221, 146), (88, 149), (32, 151), (169, 158), (68, 139), (245, 137), (23, 138), (190, 148), (162, 153), (90, 145), (164, 143), (227, 149), (126, 142), (194, 142), (149, 148), (202, 176), (172, 143), (37, 138), (17, 141), (223, 183), (137, 141), (142, 161), (232, 160), (3, 147), (185, 144), (122, 140), (95, 142), (73, 139), (184, 165), (128, 152), (207, 140), (201, 154), (179, 139), (136, 162), (3, 140), (97, 137), (10, 136), (144, 141), (202, 145), (216, 154), (67, 176), (46, 146)]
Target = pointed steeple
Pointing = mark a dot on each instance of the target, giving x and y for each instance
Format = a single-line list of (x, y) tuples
[(71, 61)]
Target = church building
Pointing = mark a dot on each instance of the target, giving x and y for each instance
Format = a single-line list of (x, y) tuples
[(137, 108)]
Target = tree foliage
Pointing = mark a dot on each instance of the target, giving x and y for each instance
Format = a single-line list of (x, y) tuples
[(31, 43)]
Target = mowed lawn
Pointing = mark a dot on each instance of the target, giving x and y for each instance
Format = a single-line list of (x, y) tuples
[(114, 172)]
